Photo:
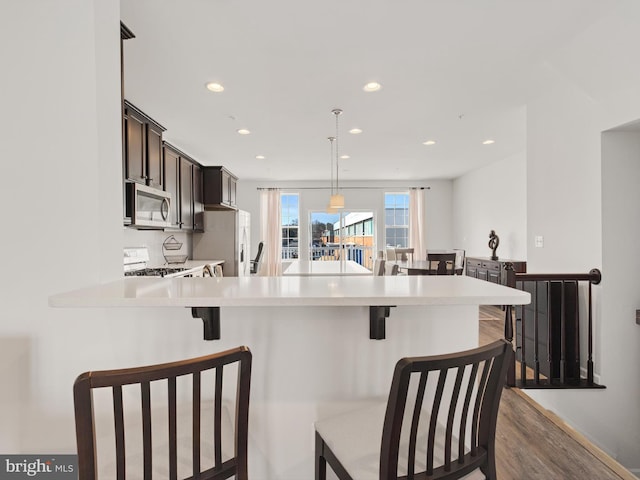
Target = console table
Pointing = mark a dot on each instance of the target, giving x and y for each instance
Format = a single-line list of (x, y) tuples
[(493, 270)]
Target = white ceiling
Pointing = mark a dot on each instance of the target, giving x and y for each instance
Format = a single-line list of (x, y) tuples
[(455, 71)]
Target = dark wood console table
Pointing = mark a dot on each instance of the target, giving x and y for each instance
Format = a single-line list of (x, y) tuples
[(493, 270)]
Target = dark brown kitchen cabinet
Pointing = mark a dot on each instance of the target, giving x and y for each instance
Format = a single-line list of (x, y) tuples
[(186, 194), (198, 203), (183, 179), (172, 181), (142, 147), (219, 188), (492, 270), (154, 156)]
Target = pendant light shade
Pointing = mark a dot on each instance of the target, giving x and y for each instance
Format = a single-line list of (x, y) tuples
[(336, 201)]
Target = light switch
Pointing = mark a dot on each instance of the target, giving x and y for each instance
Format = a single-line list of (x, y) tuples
[(539, 241)]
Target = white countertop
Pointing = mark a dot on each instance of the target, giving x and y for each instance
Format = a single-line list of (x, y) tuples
[(291, 291), (324, 268)]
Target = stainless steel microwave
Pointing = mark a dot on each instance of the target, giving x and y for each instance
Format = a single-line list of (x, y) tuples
[(148, 207)]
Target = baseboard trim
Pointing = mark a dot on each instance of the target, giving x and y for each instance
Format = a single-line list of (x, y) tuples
[(598, 453)]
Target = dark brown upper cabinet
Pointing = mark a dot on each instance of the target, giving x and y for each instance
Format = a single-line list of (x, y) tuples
[(198, 202), (183, 179), (219, 188), (186, 194), (172, 181), (143, 147)]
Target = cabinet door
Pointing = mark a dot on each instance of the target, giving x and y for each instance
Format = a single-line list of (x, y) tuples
[(483, 274), (172, 183), (493, 276), (198, 202), (472, 271), (186, 195), (135, 148), (226, 192), (154, 156), (232, 191)]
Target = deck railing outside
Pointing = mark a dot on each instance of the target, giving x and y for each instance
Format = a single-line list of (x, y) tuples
[(361, 254)]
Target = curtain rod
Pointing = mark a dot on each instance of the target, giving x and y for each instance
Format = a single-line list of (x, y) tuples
[(341, 188)]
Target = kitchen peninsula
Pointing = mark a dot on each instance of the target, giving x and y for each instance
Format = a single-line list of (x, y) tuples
[(310, 338)]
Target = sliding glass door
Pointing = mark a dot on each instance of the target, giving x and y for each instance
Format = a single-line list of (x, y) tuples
[(342, 236)]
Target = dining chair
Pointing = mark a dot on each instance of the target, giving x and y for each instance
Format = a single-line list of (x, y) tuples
[(391, 254), (445, 263), (405, 254), (166, 436), (255, 263), (378, 267), (391, 269), (460, 259), (439, 422)]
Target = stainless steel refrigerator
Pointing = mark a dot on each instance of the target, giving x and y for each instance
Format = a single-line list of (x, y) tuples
[(226, 237)]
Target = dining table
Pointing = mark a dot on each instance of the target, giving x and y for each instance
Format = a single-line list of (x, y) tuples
[(414, 267), (423, 267)]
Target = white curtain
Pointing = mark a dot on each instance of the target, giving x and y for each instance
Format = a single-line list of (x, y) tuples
[(271, 233), (417, 235)]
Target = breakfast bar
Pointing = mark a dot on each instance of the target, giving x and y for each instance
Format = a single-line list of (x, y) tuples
[(312, 357)]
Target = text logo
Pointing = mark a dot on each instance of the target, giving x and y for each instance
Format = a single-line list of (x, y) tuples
[(50, 467)]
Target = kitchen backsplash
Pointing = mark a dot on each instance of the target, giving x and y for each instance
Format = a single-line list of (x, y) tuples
[(153, 240)]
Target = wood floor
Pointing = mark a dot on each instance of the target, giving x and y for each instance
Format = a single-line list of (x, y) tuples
[(531, 442)]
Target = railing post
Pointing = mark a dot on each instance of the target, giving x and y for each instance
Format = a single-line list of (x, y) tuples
[(508, 336), (596, 277), (508, 326)]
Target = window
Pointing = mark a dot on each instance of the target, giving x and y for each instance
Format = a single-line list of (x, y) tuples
[(396, 218), (290, 217)]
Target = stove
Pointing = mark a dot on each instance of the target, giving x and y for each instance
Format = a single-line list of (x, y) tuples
[(135, 265), (154, 272)]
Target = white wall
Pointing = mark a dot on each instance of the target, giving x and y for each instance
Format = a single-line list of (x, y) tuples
[(580, 195), (492, 198), (62, 226), (437, 206), (621, 296)]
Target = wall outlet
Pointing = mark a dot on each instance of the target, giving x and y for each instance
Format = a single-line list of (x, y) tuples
[(539, 241)]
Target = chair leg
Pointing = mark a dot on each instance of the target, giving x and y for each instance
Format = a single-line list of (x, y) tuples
[(489, 469), (321, 462)]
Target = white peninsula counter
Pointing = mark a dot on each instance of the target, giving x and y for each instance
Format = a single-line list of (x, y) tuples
[(311, 338)]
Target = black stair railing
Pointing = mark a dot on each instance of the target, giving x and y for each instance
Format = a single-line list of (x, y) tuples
[(547, 332)]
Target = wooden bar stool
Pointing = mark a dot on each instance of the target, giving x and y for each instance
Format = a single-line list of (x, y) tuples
[(439, 422), (152, 444)]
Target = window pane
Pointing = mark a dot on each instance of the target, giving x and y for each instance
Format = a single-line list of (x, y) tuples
[(396, 219), (290, 215)]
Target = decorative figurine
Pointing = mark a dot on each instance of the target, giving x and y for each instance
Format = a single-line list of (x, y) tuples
[(494, 241)]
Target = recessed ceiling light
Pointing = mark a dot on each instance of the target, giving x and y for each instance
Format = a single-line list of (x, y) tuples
[(215, 87), (488, 142), (429, 142), (344, 157), (355, 131), (372, 87), (243, 131), (260, 157)]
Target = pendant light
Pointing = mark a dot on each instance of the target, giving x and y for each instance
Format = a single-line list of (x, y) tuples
[(337, 199)]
